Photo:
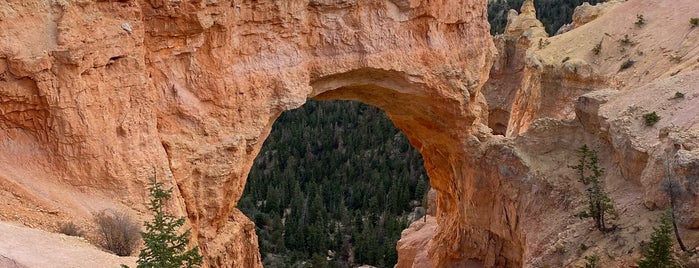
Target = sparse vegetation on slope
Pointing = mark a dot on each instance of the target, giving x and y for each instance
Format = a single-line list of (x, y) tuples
[(651, 118), (626, 41), (118, 232), (598, 48), (70, 228), (592, 261), (640, 21)]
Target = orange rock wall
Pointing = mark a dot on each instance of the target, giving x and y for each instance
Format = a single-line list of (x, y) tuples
[(97, 97), (109, 93)]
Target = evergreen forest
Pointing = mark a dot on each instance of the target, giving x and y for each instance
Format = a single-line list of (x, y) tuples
[(333, 187), (335, 181)]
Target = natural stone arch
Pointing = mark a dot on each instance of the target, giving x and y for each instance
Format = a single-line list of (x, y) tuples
[(467, 182), (422, 62), (192, 88)]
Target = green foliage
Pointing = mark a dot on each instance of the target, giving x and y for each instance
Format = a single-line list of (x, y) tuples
[(651, 118), (590, 174), (627, 64), (694, 22), (659, 253), (164, 247), (341, 177), (592, 261), (552, 13), (598, 48), (118, 233), (640, 21), (679, 95)]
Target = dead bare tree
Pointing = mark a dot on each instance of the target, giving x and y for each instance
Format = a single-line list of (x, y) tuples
[(674, 191)]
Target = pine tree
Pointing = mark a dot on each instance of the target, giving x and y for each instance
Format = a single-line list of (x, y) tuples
[(317, 179), (164, 247), (599, 203), (659, 255)]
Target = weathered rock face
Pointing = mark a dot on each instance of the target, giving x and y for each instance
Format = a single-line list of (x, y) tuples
[(586, 13), (509, 70), (659, 158), (525, 24), (525, 85), (98, 97), (414, 243), (106, 94), (509, 90)]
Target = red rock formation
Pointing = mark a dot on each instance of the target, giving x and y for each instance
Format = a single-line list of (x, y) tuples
[(97, 95), (109, 91)]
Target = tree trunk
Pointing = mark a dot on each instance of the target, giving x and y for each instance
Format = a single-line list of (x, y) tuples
[(674, 226)]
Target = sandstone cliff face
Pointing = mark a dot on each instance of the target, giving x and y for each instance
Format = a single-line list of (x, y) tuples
[(101, 96), (523, 86), (98, 97), (586, 13), (542, 110), (510, 74)]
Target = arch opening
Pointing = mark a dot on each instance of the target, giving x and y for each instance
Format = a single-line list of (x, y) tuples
[(477, 220), (477, 180), (334, 184)]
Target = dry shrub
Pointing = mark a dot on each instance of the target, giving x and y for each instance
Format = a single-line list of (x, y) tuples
[(70, 228), (117, 231)]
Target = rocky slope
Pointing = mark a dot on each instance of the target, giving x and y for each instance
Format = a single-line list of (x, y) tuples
[(96, 97), (534, 96)]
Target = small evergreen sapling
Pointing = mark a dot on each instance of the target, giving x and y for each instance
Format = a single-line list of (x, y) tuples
[(626, 41), (640, 21), (659, 254), (651, 118), (164, 247), (590, 174)]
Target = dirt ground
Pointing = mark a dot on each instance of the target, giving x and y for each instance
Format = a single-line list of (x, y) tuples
[(26, 247)]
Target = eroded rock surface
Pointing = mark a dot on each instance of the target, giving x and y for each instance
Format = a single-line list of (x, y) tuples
[(109, 94), (98, 97)]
